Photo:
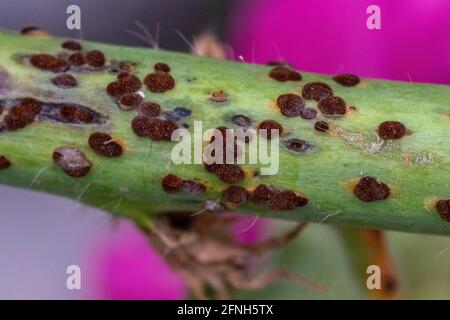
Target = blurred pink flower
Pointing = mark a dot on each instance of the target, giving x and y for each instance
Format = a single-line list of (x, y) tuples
[(329, 36), (123, 265)]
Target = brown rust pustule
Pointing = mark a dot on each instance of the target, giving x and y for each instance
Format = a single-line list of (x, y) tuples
[(65, 81), (443, 208), (283, 74), (316, 91), (4, 163), (76, 59), (291, 105), (228, 173), (282, 201), (128, 84), (261, 194), (171, 183), (48, 62), (72, 161), (72, 45), (332, 106), (104, 145), (149, 109), (22, 114), (369, 189), (270, 125), (159, 82), (95, 58), (391, 130), (161, 66), (33, 31), (235, 194), (73, 113), (346, 79), (130, 100)]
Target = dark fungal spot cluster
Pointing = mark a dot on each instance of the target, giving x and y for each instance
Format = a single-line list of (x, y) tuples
[(177, 113), (4, 163), (283, 74), (443, 208), (268, 126), (228, 173), (346, 80), (129, 101), (149, 109), (332, 106), (235, 194), (49, 62), (369, 189), (276, 199), (174, 184), (154, 128), (75, 113), (125, 84), (391, 130), (104, 145), (65, 81), (95, 58), (72, 161), (161, 66), (22, 114), (291, 105), (159, 81), (316, 91), (72, 45)]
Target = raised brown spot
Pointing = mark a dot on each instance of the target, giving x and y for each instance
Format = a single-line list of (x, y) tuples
[(124, 85), (235, 194), (316, 91), (270, 125), (391, 130), (291, 105), (73, 113), (368, 189), (149, 109), (33, 31), (443, 208), (171, 183), (95, 58), (71, 45), (282, 200), (298, 145), (162, 130), (332, 106), (48, 62), (159, 82), (229, 173), (122, 74), (130, 100), (218, 96), (321, 126), (72, 161), (160, 66), (142, 125), (65, 81), (22, 114), (347, 80), (76, 59), (261, 194), (4, 163), (104, 145), (281, 73)]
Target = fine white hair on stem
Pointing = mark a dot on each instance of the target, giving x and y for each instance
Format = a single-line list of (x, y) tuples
[(145, 35)]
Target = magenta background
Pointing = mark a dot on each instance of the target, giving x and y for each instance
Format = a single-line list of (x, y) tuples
[(330, 36)]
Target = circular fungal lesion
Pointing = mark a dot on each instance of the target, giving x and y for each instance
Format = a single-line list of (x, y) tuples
[(369, 189), (5, 163), (276, 199), (443, 209), (269, 125), (290, 104), (391, 130), (284, 73), (332, 106), (218, 96), (72, 161), (298, 146), (316, 91), (346, 79), (174, 184), (104, 145)]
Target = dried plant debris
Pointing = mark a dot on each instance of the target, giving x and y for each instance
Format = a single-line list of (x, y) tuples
[(202, 250)]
